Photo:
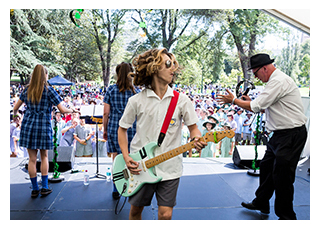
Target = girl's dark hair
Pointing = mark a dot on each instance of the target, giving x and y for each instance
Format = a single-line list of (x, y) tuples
[(124, 81)]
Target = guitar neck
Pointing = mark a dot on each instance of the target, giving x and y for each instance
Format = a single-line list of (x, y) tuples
[(170, 154), (209, 137)]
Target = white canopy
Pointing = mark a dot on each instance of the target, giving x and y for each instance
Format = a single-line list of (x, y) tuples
[(298, 18)]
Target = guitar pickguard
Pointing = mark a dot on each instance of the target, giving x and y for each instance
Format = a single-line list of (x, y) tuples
[(128, 183)]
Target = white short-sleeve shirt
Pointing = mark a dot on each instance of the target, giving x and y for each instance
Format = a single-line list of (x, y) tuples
[(150, 112), (282, 100)]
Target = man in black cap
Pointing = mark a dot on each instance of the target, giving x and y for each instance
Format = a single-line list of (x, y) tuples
[(281, 100)]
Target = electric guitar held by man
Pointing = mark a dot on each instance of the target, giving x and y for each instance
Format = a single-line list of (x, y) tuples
[(128, 184)]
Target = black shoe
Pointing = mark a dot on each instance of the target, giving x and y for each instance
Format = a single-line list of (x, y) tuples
[(45, 191), (35, 193), (251, 206), (116, 195)]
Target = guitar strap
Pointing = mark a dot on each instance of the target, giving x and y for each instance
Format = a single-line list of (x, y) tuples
[(168, 117)]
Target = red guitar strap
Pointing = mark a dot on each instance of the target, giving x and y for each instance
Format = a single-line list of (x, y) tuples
[(168, 117)]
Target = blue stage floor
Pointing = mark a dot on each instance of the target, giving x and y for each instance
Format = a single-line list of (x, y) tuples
[(210, 189)]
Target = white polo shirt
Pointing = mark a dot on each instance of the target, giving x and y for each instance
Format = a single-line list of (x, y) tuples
[(282, 100), (150, 112)]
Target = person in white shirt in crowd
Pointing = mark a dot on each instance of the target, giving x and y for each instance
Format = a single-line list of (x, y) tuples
[(285, 117), (221, 116), (231, 121), (202, 119), (16, 121), (247, 129), (77, 102), (17, 150), (185, 137), (238, 119), (61, 124)]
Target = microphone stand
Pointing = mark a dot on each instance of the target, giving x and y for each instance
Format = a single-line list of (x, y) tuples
[(255, 171), (97, 174)]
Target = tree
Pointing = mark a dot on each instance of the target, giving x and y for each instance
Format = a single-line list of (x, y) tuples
[(294, 60), (245, 27), (288, 60), (304, 64), (29, 34), (107, 25), (162, 27), (206, 51), (77, 49)]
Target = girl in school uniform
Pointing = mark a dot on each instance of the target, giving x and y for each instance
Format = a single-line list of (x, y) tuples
[(36, 131), (208, 151), (226, 145)]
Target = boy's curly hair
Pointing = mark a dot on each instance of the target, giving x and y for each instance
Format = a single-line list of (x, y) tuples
[(148, 63)]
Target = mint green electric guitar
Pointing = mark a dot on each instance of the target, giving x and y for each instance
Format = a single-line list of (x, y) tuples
[(128, 184)]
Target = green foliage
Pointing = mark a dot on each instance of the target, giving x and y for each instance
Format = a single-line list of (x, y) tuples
[(29, 33), (231, 79), (212, 46), (294, 60)]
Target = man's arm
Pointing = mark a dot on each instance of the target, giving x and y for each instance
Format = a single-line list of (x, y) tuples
[(245, 104)]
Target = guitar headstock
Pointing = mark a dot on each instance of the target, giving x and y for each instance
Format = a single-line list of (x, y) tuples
[(217, 136)]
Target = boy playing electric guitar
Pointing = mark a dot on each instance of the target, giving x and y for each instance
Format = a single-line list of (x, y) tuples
[(155, 70)]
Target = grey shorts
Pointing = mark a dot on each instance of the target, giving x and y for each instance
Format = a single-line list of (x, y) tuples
[(247, 136), (166, 192), (237, 137)]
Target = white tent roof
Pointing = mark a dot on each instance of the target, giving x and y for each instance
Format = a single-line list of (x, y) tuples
[(299, 18)]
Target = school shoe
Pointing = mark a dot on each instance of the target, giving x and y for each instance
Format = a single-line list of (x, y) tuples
[(251, 206), (45, 191), (35, 193)]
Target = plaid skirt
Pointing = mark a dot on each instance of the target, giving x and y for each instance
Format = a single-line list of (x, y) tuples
[(36, 131)]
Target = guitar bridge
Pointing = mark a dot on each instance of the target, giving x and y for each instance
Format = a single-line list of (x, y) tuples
[(125, 174)]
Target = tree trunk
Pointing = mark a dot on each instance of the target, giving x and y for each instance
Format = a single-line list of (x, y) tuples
[(103, 63), (243, 58), (106, 77)]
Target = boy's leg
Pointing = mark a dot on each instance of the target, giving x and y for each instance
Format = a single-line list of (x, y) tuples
[(135, 212), (142, 198), (165, 213), (166, 193)]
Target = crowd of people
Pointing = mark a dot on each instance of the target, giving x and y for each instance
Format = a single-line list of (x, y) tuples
[(73, 131)]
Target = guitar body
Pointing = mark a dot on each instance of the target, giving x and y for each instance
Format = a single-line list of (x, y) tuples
[(128, 184)]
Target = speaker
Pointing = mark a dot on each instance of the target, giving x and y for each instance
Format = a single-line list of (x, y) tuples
[(65, 158), (243, 155)]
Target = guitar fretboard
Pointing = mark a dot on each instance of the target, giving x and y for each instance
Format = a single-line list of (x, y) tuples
[(172, 153)]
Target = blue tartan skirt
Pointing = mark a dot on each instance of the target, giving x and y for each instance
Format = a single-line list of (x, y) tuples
[(36, 131)]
